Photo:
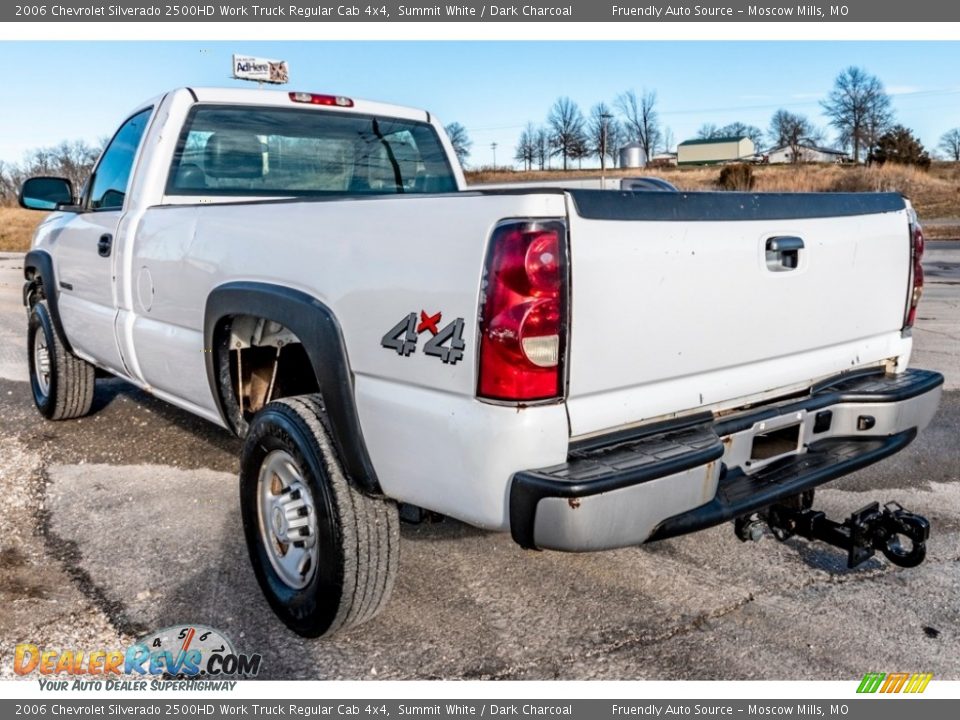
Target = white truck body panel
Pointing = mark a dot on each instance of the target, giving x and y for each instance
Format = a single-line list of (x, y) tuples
[(370, 281), (644, 344)]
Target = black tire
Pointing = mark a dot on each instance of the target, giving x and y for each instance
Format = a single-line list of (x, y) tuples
[(65, 390), (357, 536)]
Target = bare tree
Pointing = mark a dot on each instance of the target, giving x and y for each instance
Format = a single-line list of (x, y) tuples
[(616, 139), (739, 129), (70, 159), (566, 128), (541, 143), (667, 140), (859, 108), (641, 118), (526, 151), (604, 132), (580, 149), (460, 140), (10, 181), (950, 144), (74, 160), (708, 131), (791, 130)]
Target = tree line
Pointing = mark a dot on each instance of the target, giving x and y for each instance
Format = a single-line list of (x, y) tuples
[(572, 136), (858, 109), (70, 159)]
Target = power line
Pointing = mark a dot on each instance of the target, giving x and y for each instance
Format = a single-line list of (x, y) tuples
[(741, 108)]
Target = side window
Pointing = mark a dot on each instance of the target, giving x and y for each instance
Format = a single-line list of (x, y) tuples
[(113, 172)]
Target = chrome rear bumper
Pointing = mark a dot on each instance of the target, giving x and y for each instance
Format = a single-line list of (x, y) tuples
[(668, 480)]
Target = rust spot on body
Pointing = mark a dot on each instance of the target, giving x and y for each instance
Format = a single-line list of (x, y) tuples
[(708, 479), (574, 503)]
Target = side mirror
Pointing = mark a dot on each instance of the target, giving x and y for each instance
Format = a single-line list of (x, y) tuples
[(46, 193)]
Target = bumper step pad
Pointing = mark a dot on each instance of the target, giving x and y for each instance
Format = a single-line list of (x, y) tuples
[(741, 494), (632, 461), (679, 476)]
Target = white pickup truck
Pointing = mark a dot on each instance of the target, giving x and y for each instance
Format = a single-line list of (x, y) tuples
[(584, 369)]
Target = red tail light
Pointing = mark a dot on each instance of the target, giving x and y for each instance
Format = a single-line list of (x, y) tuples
[(523, 311), (916, 274)]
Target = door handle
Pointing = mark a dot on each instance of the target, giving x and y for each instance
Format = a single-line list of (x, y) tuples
[(105, 245), (783, 253)]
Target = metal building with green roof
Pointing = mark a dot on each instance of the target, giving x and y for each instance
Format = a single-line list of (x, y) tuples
[(715, 150)]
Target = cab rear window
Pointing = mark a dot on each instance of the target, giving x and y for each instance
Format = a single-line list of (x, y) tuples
[(252, 151)]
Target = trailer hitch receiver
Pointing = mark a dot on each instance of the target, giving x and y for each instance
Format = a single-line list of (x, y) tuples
[(900, 535)]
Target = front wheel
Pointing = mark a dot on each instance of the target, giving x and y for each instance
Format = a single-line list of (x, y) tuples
[(62, 383), (325, 554)]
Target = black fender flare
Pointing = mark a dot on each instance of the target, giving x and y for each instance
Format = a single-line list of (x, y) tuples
[(38, 265), (319, 332)]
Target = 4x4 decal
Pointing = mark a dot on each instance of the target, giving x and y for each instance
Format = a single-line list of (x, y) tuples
[(446, 343)]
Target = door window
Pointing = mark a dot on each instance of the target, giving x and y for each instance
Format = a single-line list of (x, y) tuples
[(112, 175)]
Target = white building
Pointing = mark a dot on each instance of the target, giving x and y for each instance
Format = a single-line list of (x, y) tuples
[(808, 154), (714, 150), (663, 159)]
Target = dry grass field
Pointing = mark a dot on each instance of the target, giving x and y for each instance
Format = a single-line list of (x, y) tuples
[(935, 194), (16, 228)]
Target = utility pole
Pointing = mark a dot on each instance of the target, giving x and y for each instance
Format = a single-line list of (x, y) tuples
[(493, 146), (603, 148)]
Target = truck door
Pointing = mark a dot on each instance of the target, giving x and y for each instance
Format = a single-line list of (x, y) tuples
[(86, 250)]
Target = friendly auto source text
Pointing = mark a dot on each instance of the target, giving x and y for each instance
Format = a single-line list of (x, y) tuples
[(656, 11)]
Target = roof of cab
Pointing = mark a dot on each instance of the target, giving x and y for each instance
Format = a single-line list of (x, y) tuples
[(281, 98)]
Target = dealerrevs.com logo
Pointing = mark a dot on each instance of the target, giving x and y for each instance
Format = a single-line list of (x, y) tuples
[(177, 657)]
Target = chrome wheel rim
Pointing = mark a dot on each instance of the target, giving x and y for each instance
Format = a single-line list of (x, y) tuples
[(288, 519), (41, 362)]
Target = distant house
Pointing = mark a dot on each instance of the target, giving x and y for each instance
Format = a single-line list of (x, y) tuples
[(663, 159), (809, 153), (715, 150)]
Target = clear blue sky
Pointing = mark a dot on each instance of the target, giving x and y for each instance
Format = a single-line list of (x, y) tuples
[(65, 90)]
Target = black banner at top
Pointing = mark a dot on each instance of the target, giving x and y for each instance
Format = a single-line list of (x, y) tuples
[(623, 11)]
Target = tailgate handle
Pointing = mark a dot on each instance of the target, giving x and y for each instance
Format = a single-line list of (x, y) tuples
[(783, 253)]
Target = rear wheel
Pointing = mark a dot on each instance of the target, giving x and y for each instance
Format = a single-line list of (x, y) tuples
[(325, 554), (62, 383)]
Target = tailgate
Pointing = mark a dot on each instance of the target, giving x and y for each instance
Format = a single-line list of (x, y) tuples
[(688, 300)]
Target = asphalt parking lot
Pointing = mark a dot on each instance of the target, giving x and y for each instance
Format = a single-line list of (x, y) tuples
[(128, 521)]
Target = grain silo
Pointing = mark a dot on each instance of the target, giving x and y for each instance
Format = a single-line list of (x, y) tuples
[(632, 156)]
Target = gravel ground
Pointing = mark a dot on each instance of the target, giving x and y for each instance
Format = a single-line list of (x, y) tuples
[(45, 599), (128, 520)]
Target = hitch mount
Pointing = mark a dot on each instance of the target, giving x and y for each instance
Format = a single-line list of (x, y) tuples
[(900, 535)]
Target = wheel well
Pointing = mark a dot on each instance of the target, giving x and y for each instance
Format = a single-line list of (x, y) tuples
[(313, 325), (33, 289), (259, 360)]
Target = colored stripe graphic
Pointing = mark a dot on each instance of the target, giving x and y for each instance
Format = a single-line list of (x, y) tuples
[(871, 682), (895, 681), (913, 683), (918, 683)]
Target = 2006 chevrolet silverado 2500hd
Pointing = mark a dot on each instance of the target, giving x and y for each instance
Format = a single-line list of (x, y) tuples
[(584, 369)]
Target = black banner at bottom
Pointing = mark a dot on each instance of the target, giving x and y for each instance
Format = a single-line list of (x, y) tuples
[(873, 708)]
